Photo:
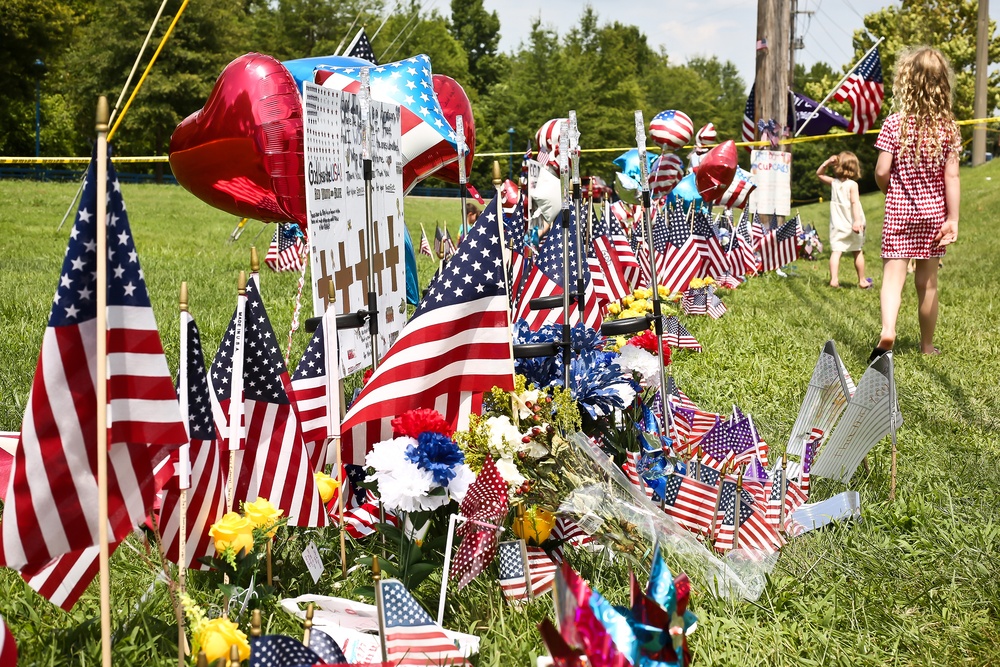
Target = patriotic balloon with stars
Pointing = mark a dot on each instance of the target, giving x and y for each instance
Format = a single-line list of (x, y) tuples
[(668, 170), (671, 129), (428, 141)]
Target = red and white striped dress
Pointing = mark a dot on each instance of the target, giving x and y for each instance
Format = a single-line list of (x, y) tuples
[(914, 204)]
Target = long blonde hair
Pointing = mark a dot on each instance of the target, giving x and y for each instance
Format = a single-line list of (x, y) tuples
[(922, 89)]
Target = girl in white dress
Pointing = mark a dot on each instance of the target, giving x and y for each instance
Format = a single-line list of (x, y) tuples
[(847, 219)]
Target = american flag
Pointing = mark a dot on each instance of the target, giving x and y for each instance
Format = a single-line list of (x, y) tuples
[(485, 505), (425, 245), (287, 250), (738, 191), (689, 502), (360, 47), (631, 469), (66, 578), (531, 283), (521, 566), (716, 308), (8, 647), (695, 301), (361, 506), (617, 262), (325, 648), (715, 442), (524, 166), (749, 114), (411, 635), (676, 335), (864, 91), (439, 241), (550, 261), (779, 246), (50, 508), (456, 344), (424, 127), (667, 172), (794, 498), (680, 253), (677, 396), (807, 460), (280, 651), (309, 396), (206, 497), (714, 257), (754, 531), (274, 463)]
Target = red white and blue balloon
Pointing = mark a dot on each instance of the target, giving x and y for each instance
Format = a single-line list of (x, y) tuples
[(671, 129), (547, 139), (667, 172), (738, 191), (428, 141), (706, 135)]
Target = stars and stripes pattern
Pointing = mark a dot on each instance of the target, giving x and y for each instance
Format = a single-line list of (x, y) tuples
[(749, 131), (360, 47), (206, 497), (412, 638), (779, 246), (280, 651), (738, 192), (695, 301), (676, 335), (550, 261), (754, 532), (714, 261), (51, 502), (309, 396), (864, 91), (521, 566), (679, 253), (689, 502), (457, 344), (361, 510), (716, 308), (274, 463), (65, 579), (287, 250), (671, 129), (667, 172), (425, 244), (485, 506), (547, 139), (616, 262)]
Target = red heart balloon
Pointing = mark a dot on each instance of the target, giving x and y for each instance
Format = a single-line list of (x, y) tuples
[(454, 102), (242, 152), (716, 171)]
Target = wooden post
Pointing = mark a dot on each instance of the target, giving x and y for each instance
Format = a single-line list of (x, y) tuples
[(718, 501), (736, 511), (103, 116)]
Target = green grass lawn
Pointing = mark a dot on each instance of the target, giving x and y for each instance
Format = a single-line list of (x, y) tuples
[(916, 582)]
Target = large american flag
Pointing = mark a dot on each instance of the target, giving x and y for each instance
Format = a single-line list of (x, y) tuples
[(206, 497), (274, 463), (519, 566), (287, 250), (550, 261), (411, 635), (456, 344), (50, 512), (714, 257), (863, 90), (780, 246), (749, 132)]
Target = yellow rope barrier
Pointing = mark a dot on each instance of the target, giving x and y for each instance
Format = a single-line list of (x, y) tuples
[(156, 54), (164, 158)]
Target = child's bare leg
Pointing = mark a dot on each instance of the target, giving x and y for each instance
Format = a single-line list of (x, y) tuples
[(859, 266), (835, 268), (893, 278), (926, 278)]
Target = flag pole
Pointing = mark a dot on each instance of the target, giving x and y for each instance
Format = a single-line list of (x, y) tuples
[(184, 479), (505, 249), (380, 606), (452, 520), (369, 174), (103, 117), (236, 388), (574, 158), (462, 189), (736, 511), (718, 501), (567, 340), (334, 396), (837, 87), (640, 142), (784, 490), (892, 425)]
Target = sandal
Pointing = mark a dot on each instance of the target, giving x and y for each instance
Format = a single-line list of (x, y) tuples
[(934, 353), (867, 285)]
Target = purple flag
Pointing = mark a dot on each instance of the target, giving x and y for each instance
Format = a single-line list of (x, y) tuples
[(824, 121)]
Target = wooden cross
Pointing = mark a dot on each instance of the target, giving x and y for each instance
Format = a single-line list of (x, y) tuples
[(323, 281), (392, 254), (343, 278)]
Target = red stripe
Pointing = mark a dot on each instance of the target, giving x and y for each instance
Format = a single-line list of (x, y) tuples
[(134, 341)]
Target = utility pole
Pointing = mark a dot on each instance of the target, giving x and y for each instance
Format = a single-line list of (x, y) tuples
[(773, 32), (979, 101)]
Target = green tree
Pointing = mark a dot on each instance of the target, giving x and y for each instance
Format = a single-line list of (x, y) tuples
[(289, 29), (29, 31), (478, 31)]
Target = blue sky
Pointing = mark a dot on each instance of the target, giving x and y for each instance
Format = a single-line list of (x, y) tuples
[(688, 28)]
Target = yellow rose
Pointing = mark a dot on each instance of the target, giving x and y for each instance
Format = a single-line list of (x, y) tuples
[(217, 635), (327, 486), (232, 531), (263, 514), (620, 342), (662, 291), (696, 283), (644, 292), (628, 300), (614, 309), (626, 314), (708, 280)]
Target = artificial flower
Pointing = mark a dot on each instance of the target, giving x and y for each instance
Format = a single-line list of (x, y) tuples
[(415, 422), (662, 291), (696, 283), (263, 514), (599, 384), (505, 440), (638, 360), (631, 312), (436, 454), (708, 280), (525, 401), (218, 635), (614, 308), (460, 483), (326, 485), (232, 532), (646, 340), (628, 300)]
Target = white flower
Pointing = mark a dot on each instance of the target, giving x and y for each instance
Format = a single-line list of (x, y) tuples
[(636, 360), (523, 399), (505, 439), (508, 470), (388, 455), (459, 484), (406, 488)]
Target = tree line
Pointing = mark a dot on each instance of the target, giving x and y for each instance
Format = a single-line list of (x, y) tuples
[(74, 50)]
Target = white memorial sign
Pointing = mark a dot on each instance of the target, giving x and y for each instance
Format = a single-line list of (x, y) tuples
[(772, 172), (335, 206)]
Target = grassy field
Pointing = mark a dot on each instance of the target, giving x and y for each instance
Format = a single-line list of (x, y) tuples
[(916, 582)]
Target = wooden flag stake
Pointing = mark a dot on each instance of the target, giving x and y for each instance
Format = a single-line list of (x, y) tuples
[(784, 491), (718, 501), (736, 512), (380, 606), (202, 660), (254, 260), (255, 623), (236, 388), (184, 479), (103, 116), (234, 656)]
